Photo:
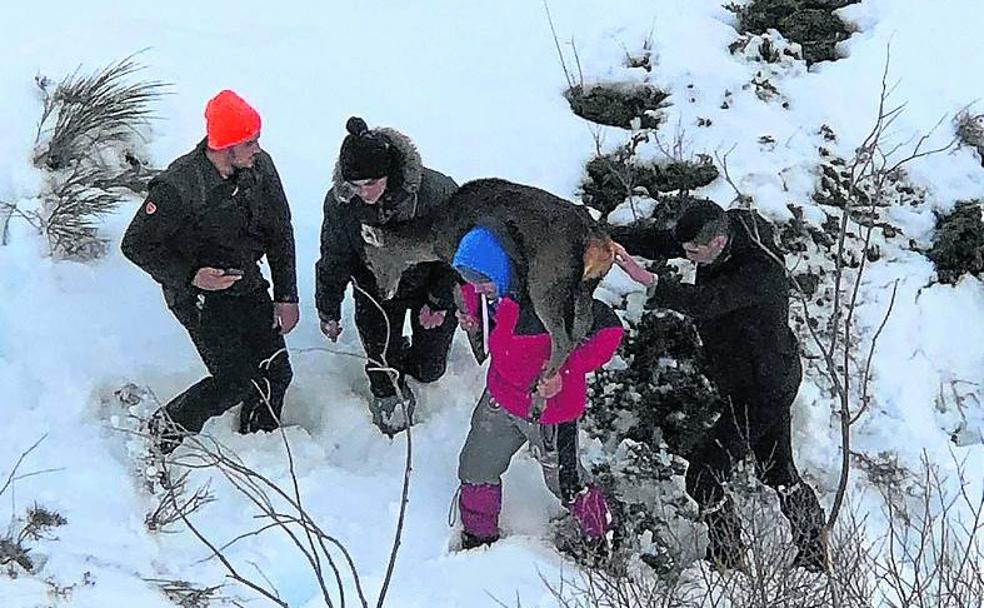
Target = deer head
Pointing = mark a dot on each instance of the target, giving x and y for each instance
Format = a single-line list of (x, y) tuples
[(390, 252)]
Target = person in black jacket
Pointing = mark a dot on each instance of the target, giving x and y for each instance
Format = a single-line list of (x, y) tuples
[(740, 305), (379, 180), (207, 221)]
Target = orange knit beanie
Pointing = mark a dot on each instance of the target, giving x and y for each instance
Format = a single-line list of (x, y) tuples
[(229, 120)]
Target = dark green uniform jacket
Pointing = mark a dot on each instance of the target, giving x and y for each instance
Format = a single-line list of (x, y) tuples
[(193, 218)]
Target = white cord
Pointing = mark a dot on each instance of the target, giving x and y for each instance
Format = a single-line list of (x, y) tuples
[(485, 325)]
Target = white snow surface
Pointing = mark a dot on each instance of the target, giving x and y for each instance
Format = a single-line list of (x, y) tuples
[(478, 87)]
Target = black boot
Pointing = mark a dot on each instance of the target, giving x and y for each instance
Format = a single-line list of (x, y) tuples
[(806, 520), (394, 413), (255, 417), (470, 541), (165, 435)]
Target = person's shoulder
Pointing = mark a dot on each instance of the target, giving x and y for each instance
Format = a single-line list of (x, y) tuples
[(264, 163), (748, 217), (435, 174), (748, 225), (163, 196), (743, 216), (332, 203), (438, 180), (172, 183), (185, 162)]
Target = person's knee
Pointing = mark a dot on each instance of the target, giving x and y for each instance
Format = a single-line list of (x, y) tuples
[(231, 379), (281, 372), (469, 468), (430, 371), (476, 468)]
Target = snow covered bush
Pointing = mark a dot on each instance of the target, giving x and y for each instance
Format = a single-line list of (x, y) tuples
[(970, 131), (769, 47), (811, 23), (618, 104), (90, 130), (928, 555), (34, 525), (612, 178), (660, 396), (958, 244), (186, 594), (776, 58), (647, 414), (84, 113), (848, 225)]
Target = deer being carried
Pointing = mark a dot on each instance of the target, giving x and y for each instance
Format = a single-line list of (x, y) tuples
[(563, 253)]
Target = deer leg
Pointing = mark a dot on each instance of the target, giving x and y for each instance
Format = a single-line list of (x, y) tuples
[(553, 303)]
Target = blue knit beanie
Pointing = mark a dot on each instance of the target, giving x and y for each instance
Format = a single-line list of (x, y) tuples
[(481, 251)]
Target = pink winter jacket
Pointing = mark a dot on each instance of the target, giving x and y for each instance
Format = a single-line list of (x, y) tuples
[(517, 361)]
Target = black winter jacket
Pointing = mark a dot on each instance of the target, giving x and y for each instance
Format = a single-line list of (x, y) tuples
[(740, 305), (194, 218), (413, 192)]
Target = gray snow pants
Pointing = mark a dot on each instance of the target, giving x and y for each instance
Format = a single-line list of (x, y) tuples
[(496, 435)]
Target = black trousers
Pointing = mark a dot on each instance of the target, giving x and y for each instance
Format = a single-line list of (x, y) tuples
[(234, 335), (424, 356), (761, 427)]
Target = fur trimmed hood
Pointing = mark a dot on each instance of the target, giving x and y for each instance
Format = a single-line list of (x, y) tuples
[(411, 167)]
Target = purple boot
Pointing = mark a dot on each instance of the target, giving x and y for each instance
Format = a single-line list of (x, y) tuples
[(479, 505), (590, 509)]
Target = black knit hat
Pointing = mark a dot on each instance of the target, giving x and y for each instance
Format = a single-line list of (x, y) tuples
[(364, 154), (698, 215)]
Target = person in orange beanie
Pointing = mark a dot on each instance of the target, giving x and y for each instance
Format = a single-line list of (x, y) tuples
[(207, 221)]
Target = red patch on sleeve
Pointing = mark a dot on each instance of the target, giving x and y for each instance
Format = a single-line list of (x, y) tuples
[(150, 208)]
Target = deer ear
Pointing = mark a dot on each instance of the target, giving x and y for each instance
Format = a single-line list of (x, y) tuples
[(372, 235)]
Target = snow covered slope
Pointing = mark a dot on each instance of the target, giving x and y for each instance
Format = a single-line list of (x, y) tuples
[(478, 86)]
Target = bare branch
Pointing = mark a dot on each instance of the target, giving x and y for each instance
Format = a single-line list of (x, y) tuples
[(871, 352), (12, 477), (560, 53), (233, 573)]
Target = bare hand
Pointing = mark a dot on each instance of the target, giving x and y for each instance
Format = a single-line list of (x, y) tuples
[(429, 318), (466, 321), (285, 316), (632, 268), (331, 330), (214, 279), (549, 387)]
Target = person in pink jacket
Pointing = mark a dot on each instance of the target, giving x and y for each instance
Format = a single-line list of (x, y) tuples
[(502, 423)]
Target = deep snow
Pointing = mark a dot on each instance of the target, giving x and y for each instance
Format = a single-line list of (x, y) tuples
[(478, 87)]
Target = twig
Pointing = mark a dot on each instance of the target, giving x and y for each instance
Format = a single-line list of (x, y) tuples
[(577, 60), (723, 161), (316, 561), (408, 464), (12, 477), (560, 53), (245, 480), (233, 573), (871, 352), (207, 453)]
